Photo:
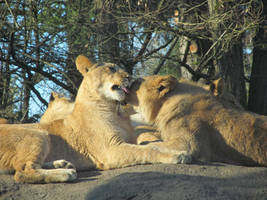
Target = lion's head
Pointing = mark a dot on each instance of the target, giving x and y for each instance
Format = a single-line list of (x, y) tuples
[(58, 108), (147, 94), (103, 80)]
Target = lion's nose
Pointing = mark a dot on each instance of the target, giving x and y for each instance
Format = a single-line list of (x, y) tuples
[(126, 82), (132, 80), (127, 78)]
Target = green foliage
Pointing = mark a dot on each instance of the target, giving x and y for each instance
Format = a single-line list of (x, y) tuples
[(51, 16)]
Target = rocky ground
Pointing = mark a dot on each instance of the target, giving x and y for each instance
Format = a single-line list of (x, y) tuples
[(162, 181)]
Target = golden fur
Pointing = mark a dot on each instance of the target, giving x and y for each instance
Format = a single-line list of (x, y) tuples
[(147, 133), (189, 118), (218, 89), (59, 107), (93, 135)]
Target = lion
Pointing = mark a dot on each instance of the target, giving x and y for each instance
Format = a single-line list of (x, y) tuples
[(189, 118), (146, 133), (93, 136)]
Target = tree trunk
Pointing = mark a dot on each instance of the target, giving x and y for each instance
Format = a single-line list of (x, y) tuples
[(107, 38), (231, 69), (26, 100), (258, 82), (76, 42), (230, 66)]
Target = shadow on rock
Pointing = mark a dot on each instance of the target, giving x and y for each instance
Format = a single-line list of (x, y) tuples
[(163, 186), (85, 176)]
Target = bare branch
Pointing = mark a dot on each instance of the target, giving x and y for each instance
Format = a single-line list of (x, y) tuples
[(167, 55)]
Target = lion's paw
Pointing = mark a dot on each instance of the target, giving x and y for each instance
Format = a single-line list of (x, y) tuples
[(184, 158), (63, 164), (69, 175), (58, 164), (61, 175)]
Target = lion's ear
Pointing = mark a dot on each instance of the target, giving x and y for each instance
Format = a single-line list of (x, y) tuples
[(217, 87), (83, 64), (53, 96), (166, 85)]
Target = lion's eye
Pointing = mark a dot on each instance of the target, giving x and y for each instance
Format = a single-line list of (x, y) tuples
[(112, 69), (115, 87), (161, 88)]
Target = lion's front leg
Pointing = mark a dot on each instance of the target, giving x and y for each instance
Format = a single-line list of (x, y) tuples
[(125, 154), (194, 142)]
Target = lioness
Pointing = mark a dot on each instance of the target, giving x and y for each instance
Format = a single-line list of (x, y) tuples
[(189, 118), (94, 135)]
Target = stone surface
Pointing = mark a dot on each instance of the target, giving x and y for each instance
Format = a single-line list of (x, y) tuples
[(160, 181)]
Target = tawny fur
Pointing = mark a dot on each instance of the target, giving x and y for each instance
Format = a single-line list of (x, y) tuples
[(92, 136), (189, 118), (59, 107), (147, 133)]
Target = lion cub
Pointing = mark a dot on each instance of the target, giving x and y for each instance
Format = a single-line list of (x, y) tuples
[(147, 133), (189, 118)]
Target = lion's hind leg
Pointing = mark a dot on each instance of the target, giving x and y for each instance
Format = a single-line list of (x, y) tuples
[(30, 169), (25, 150), (33, 173)]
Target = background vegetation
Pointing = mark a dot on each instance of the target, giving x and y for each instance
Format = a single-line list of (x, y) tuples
[(200, 40)]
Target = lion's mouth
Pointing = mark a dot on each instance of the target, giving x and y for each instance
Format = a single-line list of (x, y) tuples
[(117, 87)]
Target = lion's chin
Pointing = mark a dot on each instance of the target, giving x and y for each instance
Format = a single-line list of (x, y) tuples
[(118, 96)]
